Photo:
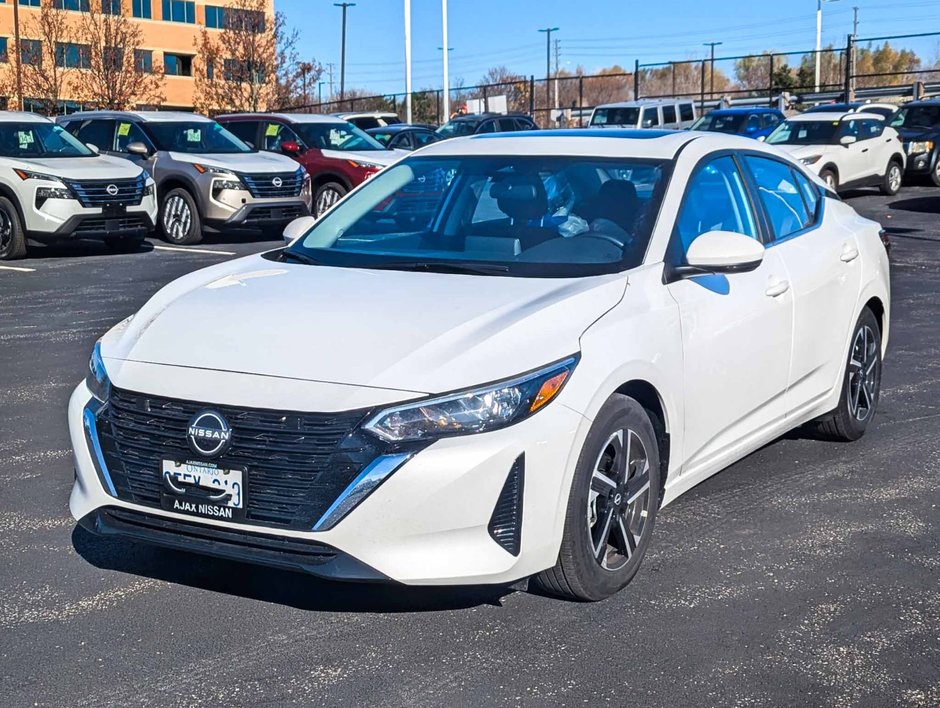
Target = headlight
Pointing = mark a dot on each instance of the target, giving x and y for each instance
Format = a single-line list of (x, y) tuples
[(233, 183), (96, 378), (811, 160), (149, 190), (45, 193), (27, 174), (364, 165), (919, 146), (474, 411)]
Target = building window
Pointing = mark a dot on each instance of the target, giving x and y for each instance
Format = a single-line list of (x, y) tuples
[(238, 70), (72, 56), (143, 61), (31, 52), (179, 11), (111, 7), (142, 9), (112, 58), (177, 64), (210, 70), (215, 16), (30, 3), (77, 5), (245, 20), (3, 50)]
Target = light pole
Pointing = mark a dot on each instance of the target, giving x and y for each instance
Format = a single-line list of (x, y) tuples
[(548, 66), (18, 56), (819, 5), (320, 93), (342, 60), (445, 49), (712, 63), (407, 61)]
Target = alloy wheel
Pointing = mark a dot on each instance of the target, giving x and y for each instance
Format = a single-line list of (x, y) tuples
[(830, 180), (326, 199), (619, 501), (894, 177), (864, 374), (6, 231), (177, 218)]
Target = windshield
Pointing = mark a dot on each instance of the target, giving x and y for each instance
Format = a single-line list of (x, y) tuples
[(917, 117), (194, 137), (337, 136), (456, 128), (31, 140), (506, 215), (726, 123), (804, 132), (616, 116)]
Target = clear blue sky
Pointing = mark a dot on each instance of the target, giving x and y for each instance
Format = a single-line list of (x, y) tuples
[(485, 33)]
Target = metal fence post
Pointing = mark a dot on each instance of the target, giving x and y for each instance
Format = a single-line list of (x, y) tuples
[(532, 95), (850, 70), (437, 110), (702, 102), (485, 102), (580, 92), (636, 79), (770, 83)]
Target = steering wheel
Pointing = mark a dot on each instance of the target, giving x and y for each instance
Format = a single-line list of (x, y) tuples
[(602, 237)]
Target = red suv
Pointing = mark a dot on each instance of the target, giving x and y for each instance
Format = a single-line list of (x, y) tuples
[(337, 155)]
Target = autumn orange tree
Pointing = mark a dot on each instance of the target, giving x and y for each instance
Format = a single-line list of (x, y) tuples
[(46, 81), (120, 74)]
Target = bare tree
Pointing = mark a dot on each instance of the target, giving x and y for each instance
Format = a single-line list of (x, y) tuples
[(121, 75), (250, 64), (46, 80)]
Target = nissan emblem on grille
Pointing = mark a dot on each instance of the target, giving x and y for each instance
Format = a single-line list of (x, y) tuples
[(277, 181), (208, 434), (112, 189)]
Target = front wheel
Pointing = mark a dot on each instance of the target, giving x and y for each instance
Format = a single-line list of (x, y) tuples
[(830, 178), (12, 238), (611, 507), (326, 196), (179, 218), (861, 384), (891, 184), (935, 172)]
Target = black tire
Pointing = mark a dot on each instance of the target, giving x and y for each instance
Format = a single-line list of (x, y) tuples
[(580, 573), (326, 196), (179, 218), (12, 238), (829, 176), (848, 421), (125, 244), (935, 172), (891, 182)]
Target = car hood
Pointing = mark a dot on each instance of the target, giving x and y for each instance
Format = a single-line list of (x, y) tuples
[(377, 157), (419, 332), (909, 134), (98, 167), (252, 162), (799, 151)]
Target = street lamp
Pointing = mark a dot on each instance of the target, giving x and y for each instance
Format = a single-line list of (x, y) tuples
[(342, 64), (446, 66), (548, 66), (712, 45), (408, 61), (819, 5)]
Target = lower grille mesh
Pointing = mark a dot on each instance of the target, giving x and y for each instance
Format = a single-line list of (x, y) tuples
[(505, 525)]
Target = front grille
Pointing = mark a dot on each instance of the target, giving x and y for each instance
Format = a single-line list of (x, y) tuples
[(505, 525), (296, 463), (282, 184), (285, 213), (95, 193), (102, 225)]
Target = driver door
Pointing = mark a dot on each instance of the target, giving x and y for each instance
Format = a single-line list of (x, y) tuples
[(736, 329)]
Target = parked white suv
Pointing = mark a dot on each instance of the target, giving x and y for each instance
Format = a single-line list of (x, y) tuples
[(847, 150), (672, 114), (53, 187)]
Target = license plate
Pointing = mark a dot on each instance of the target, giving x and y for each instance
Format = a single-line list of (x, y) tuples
[(203, 489)]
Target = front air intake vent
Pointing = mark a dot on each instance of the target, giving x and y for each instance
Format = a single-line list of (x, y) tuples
[(505, 525)]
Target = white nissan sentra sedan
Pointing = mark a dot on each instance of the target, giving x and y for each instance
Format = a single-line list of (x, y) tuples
[(495, 360)]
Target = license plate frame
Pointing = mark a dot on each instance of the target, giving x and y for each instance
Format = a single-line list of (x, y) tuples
[(203, 489)]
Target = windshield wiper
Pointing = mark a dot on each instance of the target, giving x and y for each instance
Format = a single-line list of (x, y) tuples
[(288, 255), (442, 267)]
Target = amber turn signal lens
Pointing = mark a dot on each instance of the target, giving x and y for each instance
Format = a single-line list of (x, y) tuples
[(548, 390), (199, 168)]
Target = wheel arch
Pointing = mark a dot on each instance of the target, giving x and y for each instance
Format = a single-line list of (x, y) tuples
[(831, 166), (647, 395), (878, 308), (324, 177), (168, 184), (7, 192)]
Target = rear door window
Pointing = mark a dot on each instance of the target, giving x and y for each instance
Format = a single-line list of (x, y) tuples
[(782, 198), (507, 125), (669, 114), (686, 112), (276, 134)]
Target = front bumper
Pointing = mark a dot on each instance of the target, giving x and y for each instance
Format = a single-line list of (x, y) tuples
[(920, 164), (65, 218), (428, 523)]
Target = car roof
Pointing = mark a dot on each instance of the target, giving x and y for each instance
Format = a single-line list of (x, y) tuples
[(146, 116), (655, 144), (399, 128), (484, 116), (366, 114), (22, 117), (932, 101), (285, 117), (823, 116), (646, 102), (742, 110)]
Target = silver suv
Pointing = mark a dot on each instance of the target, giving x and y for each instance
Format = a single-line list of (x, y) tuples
[(206, 177), (52, 187)]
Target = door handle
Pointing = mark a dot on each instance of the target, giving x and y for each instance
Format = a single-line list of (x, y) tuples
[(864, 149), (777, 288), (849, 253)]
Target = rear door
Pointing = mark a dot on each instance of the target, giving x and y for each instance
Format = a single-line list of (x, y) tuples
[(853, 160), (825, 276)]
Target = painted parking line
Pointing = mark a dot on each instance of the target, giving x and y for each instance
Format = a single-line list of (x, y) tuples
[(195, 250), (18, 269)]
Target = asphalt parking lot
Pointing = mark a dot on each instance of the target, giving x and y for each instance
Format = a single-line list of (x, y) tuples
[(807, 574)]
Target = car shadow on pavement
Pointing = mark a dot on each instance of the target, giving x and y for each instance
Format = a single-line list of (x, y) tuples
[(920, 205), (80, 248), (282, 587)]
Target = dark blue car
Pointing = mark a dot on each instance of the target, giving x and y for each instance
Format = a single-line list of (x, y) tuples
[(749, 122)]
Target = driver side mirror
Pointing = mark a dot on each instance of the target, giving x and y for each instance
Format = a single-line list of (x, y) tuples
[(138, 148), (298, 227), (724, 252), (93, 148), (291, 147), (847, 140)]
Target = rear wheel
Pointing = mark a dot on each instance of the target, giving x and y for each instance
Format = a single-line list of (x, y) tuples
[(830, 177), (12, 238), (891, 183), (612, 505), (326, 196), (179, 218), (861, 384)]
